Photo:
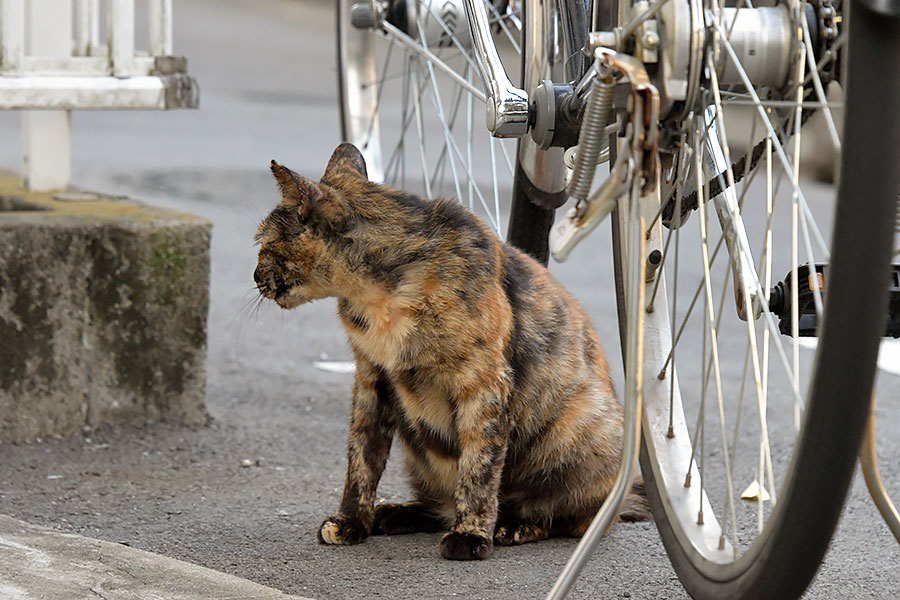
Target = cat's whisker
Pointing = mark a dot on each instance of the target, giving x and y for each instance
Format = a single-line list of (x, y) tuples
[(248, 312)]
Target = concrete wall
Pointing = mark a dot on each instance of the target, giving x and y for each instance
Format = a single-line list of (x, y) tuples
[(103, 306)]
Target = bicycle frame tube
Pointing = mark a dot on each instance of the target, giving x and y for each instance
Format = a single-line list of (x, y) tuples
[(507, 105), (553, 51)]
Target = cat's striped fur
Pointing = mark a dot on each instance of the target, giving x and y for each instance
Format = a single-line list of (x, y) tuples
[(467, 351)]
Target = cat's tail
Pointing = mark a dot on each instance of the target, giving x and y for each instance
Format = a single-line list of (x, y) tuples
[(635, 506)]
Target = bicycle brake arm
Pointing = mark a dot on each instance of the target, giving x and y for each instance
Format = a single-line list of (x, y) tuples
[(580, 221)]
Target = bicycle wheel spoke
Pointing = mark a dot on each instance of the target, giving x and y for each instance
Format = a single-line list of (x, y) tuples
[(496, 189), (431, 58), (755, 285), (406, 46), (739, 100), (374, 116), (502, 22), (491, 217), (699, 287), (690, 310), (817, 84), (793, 374), (670, 433), (804, 224), (449, 35), (795, 255), (506, 158), (768, 252), (740, 408), (714, 351), (420, 127), (469, 128), (700, 428), (398, 156), (711, 366), (439, 109), (442, 157)]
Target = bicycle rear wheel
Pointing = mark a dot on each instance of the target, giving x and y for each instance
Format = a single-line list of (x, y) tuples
[(411, 100), (703, 364)]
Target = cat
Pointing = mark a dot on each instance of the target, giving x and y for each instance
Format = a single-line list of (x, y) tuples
[(467, 350)]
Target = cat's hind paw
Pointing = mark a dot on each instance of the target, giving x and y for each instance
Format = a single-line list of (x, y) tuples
[(523, 533), (412, 517), (342, 530), (458, 545)]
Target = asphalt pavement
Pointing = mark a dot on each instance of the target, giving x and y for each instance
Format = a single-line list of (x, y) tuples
[(244, 494)]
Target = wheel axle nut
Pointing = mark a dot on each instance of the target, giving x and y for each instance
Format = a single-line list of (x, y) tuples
[(363, 15), (650, 40)]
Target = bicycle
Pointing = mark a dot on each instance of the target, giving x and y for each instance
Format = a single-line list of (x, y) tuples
[(652, 89)]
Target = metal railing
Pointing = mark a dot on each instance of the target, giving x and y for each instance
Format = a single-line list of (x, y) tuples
[(58, 55), (96, 72)]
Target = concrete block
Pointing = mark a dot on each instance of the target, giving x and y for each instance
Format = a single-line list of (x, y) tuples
[(103, 307)]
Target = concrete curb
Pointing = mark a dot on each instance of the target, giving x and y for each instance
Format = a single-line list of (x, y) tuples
[(38, 563), (103, 309)]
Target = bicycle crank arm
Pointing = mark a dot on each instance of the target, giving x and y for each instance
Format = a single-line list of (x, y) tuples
[(507, 105)]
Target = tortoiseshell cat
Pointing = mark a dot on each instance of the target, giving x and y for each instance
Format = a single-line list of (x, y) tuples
[(488, 372)]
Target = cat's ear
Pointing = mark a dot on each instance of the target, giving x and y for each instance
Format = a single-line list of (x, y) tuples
[(345, 158), (295, 187)]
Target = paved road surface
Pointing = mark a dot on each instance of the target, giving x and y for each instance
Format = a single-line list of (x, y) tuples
[(266, 71)]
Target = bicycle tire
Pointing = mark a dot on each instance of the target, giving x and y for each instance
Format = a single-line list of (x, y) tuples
[(530, 218), (785, 557)]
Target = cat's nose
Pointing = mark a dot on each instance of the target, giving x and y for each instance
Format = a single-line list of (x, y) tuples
[(256, 276)]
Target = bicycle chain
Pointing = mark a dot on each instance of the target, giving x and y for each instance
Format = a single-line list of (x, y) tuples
[(714, 185)]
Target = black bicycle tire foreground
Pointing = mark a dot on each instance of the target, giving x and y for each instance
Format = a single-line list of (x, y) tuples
[(530, 217), (787, 554)]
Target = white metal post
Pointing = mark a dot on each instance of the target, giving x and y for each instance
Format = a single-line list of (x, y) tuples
[(121, 37), (87, 30), (12, 34), (46, 135), (160, 20)]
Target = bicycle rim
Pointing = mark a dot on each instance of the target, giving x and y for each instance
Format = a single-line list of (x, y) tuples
[(786, 416), (412, 102)]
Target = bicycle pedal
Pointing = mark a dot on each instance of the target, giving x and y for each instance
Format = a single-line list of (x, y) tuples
[(780, 301)]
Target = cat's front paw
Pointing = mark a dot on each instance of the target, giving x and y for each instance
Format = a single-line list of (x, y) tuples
[(458, 545), (342, 530)]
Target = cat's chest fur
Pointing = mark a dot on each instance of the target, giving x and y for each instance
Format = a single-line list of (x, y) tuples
[(381, 331), (419, 323), (415, 338)]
